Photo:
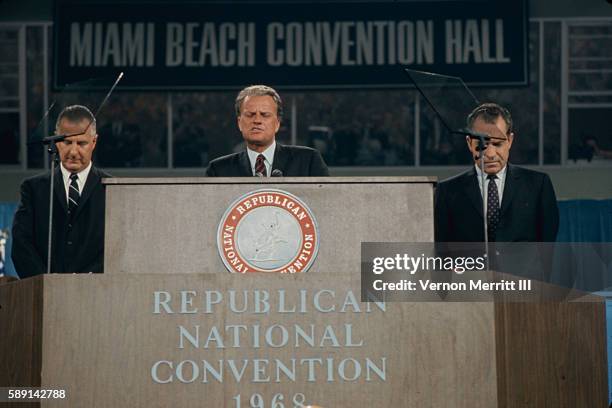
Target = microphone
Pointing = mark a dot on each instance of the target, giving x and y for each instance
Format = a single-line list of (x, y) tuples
[(277, 173), (482, 138), (259, 174)]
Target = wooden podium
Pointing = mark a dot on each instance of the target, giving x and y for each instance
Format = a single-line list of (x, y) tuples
[(167, 325)]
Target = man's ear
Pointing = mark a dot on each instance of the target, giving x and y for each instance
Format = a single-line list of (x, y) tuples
[(468, 141), (510, 139)]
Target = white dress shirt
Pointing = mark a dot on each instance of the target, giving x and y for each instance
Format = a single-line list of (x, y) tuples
[(82, 178), (500, 182), (268, 155)]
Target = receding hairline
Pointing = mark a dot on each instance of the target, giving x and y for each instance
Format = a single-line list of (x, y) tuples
[(90, 127), (77, 114), (490, 112)]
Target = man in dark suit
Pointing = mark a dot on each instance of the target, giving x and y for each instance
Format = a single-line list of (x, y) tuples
[(78, 208), (520, 203), (260, 110)]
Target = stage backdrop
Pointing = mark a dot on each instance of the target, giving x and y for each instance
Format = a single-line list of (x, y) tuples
[(289, 44)]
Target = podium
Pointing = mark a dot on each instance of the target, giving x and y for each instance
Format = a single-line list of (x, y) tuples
[(168, 325)]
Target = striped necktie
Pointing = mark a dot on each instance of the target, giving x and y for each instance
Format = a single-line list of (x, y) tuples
[(73, 193), (260, 166)]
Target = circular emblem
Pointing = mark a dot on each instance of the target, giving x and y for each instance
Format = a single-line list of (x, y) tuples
[(268, 231)]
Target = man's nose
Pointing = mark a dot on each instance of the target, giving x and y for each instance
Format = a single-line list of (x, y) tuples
[(490, 151)]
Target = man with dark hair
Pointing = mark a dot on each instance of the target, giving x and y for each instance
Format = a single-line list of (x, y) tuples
[(259, 110), (78, 207), (520, 203)]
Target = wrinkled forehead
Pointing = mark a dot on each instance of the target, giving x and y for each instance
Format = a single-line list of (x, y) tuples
[(497, 128), (261, 103), (67, 126)]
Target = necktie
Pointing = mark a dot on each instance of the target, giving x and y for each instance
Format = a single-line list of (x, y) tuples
[(260, 166), (73, 193), (492, 207)]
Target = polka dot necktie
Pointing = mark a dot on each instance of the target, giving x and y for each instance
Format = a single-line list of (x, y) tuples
[(73, 193), (492, 207), (260, 166)]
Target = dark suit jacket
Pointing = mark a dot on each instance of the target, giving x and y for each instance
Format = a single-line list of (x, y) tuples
[(528, 210), (78, 238), (293, 161)]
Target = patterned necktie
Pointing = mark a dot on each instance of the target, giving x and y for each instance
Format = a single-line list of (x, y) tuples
[(73, 193), (492, 207), (260, 166)]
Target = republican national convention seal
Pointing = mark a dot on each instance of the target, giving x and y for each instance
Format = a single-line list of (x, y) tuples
[(268, 231)]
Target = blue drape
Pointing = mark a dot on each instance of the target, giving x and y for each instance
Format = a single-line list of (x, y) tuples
[(7, 210), (585, 221)]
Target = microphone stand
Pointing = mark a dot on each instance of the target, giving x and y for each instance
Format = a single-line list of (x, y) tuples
[(482, 138), (481, 149), (52, 149)]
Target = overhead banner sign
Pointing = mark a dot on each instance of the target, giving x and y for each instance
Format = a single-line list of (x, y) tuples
[(290, 44)]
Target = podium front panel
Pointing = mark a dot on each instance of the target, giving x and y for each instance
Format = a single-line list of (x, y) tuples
[(170, 225)]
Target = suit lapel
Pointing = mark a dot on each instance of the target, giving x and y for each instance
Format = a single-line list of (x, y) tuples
[(93, 179), (473, 191), (280, 160), (60, 189), (509, 187), (245, 165)]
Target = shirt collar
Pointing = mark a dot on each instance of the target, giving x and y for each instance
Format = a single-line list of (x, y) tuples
[(268, 154), (82, 175)]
